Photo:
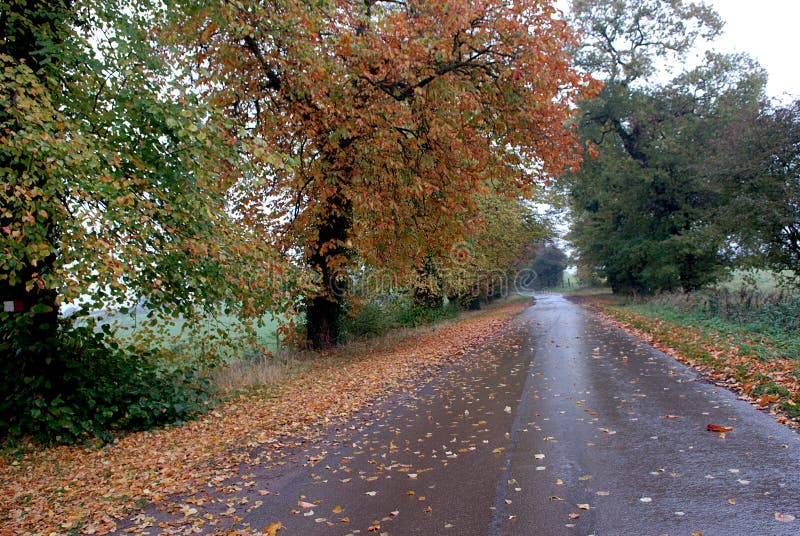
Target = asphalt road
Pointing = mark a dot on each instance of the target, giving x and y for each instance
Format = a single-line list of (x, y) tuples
[(561, 425)]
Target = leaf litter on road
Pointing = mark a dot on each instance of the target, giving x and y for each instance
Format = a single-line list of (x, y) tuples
[(86, 489)]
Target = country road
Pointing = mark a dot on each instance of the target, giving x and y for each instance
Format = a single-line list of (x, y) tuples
[(560, 425)]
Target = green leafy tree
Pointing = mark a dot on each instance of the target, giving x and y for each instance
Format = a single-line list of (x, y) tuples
[(642, 211), (755, 164), (111, 192), (549, 263)]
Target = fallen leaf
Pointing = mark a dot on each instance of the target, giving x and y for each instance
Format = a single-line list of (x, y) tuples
[(337, 509), (273, 528), (718, 428), (304, 504), (573, 515), (785, 518), (583, 506)]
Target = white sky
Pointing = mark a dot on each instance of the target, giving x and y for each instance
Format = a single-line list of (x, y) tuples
[(768, 30)]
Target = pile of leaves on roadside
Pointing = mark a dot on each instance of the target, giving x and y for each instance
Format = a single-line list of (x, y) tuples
[(83, 488), (767, 379)]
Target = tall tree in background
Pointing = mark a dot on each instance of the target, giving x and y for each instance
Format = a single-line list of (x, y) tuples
[(755, 165), (642, 211), (374, 126), (549, 263)]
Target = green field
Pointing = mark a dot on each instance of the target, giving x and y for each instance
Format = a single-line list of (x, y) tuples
[(195, 339)]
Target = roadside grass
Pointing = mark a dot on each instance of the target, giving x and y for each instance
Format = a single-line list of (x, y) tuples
[(84, 488), (748, 340), (583, 291), (256, 372)]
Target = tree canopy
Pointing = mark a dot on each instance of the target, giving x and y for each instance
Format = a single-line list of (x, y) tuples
[(374, 127), (645, 214)]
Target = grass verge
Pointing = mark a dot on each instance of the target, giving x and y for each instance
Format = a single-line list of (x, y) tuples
[(83, 489), (762, 365)]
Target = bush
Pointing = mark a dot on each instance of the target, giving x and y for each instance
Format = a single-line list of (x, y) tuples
[(92, 387), (368, 321), (407, 313), (377, 317)]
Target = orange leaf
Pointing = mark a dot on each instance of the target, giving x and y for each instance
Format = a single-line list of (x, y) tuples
[(273, 528), (718, 428)]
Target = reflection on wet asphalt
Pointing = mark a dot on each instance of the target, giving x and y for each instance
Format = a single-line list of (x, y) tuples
[(560, 425)]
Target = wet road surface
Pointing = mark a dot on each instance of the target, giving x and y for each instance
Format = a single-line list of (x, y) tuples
[(560, 425)]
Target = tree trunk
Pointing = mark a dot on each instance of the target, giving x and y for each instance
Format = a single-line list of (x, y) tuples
[(31, 32), (324, 311)]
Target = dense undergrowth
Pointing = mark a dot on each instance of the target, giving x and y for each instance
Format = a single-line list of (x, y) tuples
[(378, 317), (766, 324), (91, 387)]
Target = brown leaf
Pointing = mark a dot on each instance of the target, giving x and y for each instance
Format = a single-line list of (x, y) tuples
[(718, 428)]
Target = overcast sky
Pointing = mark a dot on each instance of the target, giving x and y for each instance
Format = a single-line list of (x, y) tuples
[(768, 30)]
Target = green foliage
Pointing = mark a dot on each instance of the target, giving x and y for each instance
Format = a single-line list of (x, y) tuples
[(549, 264), (644, 214), (755, 163), (410, 314), (369, 320), (377, 317), (94, 388)]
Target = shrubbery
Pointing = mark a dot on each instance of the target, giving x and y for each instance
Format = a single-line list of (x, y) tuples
[(91, 387), (376, 318)]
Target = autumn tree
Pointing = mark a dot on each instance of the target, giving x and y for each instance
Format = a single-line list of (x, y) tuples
[(487, 263), (642, 211), (374, 124)]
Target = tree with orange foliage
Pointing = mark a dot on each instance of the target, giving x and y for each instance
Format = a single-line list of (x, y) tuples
[(371, 128)]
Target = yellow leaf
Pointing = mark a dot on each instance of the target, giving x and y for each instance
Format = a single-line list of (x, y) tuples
[(273, 528)]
